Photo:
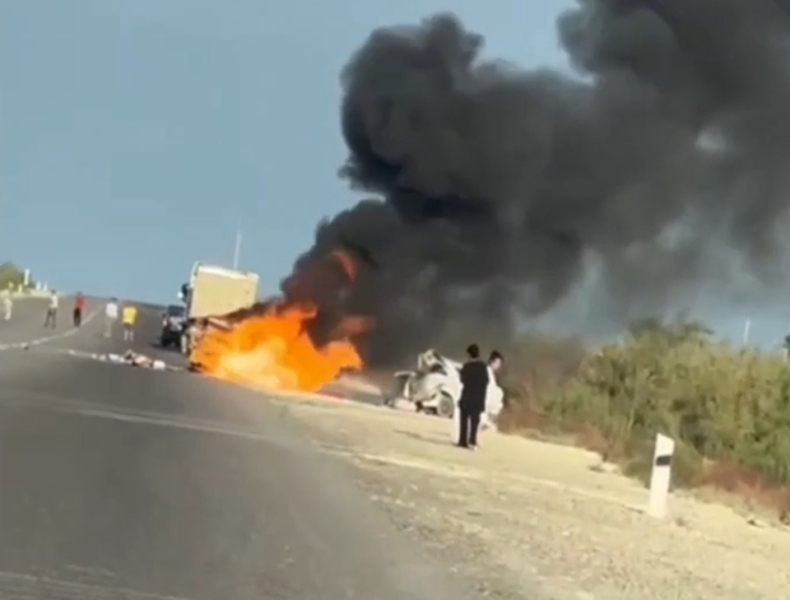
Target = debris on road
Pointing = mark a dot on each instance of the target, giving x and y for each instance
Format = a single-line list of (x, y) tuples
[(136, 359), (130, 357)]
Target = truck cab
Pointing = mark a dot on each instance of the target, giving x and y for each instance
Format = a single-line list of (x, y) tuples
[(172, 325)]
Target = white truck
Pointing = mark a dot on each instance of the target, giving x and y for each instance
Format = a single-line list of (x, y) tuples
[(212, 292), (435, 388)]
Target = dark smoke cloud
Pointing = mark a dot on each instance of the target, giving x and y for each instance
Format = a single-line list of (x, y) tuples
[(498, 186)]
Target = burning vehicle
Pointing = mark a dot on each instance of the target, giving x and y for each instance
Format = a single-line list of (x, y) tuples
[(435, 388), (283, 343)]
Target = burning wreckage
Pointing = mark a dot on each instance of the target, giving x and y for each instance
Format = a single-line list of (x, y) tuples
[(435, 388), (272, 345), (297, 341), (268, 346)]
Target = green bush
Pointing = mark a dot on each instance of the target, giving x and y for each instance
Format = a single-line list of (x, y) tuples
[(10, 275), (726, 405)]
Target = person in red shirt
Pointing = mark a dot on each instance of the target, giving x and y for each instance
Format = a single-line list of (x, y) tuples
[(79, 309)]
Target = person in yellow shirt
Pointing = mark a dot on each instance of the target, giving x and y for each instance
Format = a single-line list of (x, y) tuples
[(129, 318)]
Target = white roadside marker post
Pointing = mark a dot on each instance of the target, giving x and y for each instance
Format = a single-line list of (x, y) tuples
[(660, 476)]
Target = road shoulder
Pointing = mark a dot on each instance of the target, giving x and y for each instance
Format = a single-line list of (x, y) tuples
[(520, 511)]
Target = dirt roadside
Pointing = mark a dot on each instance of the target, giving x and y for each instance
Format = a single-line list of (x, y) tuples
[(520, 514)]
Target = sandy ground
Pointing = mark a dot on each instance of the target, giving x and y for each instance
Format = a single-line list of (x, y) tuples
[(527, 519)]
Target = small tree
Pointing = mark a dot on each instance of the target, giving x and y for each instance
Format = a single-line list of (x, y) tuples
[(11, 276)]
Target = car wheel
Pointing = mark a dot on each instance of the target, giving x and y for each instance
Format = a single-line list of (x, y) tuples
[(446, 406)]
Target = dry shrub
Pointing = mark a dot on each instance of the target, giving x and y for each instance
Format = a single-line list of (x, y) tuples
[(751, 487), (723, 406), (521, 419)]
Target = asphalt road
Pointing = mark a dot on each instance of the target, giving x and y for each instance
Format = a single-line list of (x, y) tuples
[(120, 482), (27, 319)]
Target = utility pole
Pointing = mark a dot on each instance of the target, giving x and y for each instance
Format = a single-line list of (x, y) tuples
[(746, 327), (237, 250)]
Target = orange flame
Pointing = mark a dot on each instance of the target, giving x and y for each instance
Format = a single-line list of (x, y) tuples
[(273, 351)]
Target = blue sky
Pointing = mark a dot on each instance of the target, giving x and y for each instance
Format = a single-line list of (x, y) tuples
[(137, 136)]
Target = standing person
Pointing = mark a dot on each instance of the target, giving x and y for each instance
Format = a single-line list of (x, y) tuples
[(51, 320), (79, 309), (494, 393), (129, 320), (474, 378), (8, 305), (495, 361), (110, 317)]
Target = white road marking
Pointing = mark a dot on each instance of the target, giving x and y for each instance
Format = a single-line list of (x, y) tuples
[(170, 421), (49, 338), (143, 417)]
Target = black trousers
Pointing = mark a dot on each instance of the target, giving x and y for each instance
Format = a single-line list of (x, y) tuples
[(51, 319), (470, 423), (77, 317)]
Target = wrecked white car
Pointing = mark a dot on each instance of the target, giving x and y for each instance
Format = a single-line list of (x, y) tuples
[(435, 388)]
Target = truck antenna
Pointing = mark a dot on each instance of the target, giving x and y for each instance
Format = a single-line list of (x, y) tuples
[(237, 251)]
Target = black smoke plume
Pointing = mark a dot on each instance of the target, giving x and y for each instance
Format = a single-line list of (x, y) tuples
[(495, 187)]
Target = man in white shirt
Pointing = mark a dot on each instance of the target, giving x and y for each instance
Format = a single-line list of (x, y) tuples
[(110, 316), (494, 393), (51, 320)]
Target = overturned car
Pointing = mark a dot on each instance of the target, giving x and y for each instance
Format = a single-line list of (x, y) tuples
[(435, 388)]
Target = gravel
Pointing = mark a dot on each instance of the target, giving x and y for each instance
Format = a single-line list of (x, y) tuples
[(527, 519)]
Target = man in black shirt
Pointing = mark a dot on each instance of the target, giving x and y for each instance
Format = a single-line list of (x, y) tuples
[(474, 378)]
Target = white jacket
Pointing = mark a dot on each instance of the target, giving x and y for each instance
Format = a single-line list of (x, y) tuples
[(495, 395)]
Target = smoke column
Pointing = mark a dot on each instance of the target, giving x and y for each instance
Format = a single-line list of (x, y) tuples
[(494, 187)]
